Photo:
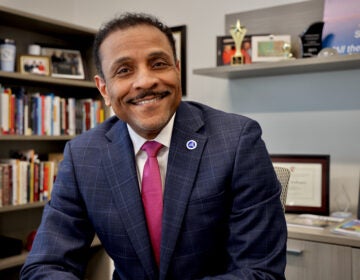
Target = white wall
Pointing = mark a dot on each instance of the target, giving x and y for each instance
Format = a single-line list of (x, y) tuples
[(300, 114)]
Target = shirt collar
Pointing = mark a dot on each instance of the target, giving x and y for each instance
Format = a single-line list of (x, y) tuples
[(164, 137)]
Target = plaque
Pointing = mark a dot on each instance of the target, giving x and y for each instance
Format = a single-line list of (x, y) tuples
[(311, 40), (238, 33)]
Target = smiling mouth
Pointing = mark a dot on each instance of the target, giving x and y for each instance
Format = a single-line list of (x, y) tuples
[(148, 97)]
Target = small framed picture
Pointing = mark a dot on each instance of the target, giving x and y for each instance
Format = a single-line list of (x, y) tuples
[(65, 63), (270, 48), (34, 64), (308, 188), (225, 49)]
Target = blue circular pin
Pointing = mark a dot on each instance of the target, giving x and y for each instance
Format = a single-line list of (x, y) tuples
[(191, 144)]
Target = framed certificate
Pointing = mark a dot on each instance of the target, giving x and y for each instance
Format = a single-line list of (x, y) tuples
[(308, 189), (270, 48)]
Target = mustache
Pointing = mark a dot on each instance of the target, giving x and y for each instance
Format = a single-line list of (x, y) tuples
[(148, 93)]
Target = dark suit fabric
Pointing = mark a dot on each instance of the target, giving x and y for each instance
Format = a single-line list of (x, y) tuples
[(222, 215)]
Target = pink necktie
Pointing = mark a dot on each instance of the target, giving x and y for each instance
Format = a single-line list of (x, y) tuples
[(151, 193)]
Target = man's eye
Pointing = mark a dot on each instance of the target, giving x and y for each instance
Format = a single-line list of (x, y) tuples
[(160, 64), (123, 71)]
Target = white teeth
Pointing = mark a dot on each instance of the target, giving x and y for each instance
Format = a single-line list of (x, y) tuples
[(148, 101)]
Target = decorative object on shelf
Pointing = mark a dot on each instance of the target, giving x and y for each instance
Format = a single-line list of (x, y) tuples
[(312, 221), (351, 228), (271, 48), (7, 54), (238, 33), (308, 189), (179, 33), (65, 63), (287, 51), (225, 49), (326, 52), (311, 40), (34, 64), (341, 28), (34, 49), (342, 200), (30, 240)]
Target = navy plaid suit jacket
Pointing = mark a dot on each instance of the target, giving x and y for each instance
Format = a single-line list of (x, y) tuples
[(222, 213)]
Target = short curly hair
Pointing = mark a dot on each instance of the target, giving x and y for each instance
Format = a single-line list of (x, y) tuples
[(123, 22)]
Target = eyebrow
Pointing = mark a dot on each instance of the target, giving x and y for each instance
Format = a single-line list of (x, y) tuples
[(159, 53), (152, 55)]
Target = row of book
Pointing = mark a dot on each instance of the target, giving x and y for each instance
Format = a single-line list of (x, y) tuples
[(24, 113), (26, 179)]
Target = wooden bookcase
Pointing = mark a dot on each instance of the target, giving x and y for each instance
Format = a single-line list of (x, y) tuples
[(18, 221)]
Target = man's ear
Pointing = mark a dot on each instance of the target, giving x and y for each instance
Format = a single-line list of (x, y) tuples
[(101, 85), (177, 64)]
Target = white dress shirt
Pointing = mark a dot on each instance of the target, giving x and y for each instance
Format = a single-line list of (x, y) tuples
[(164, 137)]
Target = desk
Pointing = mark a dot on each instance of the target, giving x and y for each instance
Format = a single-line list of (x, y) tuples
[(320, 254)]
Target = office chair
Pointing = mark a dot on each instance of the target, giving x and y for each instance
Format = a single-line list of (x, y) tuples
[(283, 175)]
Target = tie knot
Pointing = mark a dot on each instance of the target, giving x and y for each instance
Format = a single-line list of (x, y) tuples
[(151, 148)]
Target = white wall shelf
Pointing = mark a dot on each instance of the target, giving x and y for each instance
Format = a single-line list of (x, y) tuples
[(284, 67)]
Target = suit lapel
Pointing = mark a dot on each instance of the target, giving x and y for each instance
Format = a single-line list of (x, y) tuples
[(123, 180), (183, 163)]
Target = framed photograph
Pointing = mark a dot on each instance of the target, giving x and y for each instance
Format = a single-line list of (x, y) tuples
[(225, 49), (179, 33), (65, 63), (308, 189), (270, 48), (34, 64)]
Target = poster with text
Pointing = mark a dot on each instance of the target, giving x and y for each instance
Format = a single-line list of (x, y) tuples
[(342, 26)]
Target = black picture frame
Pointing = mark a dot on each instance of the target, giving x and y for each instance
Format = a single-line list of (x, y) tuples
[(180, 35), (307, 164), (65, 63)]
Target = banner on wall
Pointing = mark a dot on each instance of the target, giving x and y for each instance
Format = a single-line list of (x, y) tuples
[(342, 26)]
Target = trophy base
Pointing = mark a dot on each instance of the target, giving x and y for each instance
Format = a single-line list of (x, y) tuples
[(236, 60)]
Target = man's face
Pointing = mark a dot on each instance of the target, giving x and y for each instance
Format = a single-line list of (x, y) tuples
[(141, 78)]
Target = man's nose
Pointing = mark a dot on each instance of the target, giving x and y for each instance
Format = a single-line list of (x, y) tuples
[(145, 79)]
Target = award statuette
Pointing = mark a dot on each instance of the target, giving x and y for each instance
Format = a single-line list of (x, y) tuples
[(311, 40), (238, 33)]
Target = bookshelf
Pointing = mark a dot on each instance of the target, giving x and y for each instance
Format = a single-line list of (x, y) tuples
[(18, 221)]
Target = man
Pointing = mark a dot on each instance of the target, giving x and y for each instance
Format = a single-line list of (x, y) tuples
[(221, 213)]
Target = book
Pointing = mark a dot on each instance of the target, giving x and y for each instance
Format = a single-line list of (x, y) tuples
[(351, 228), (312, 221)]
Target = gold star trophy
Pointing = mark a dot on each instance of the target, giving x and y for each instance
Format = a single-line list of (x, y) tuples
[(238, 33)]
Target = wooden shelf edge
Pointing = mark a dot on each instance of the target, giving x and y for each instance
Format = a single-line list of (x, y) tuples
[(25, 206), (19, 260), (6, 137), (13, 261), (8, 14), (47, 80), (284, 67)]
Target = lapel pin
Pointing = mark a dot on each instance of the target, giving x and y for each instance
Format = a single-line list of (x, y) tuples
[(191, 144)]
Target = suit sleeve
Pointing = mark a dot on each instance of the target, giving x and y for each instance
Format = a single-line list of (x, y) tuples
[(256, 244), (63, 239)]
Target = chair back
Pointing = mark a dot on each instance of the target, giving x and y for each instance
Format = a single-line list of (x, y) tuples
[(283, 175)]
